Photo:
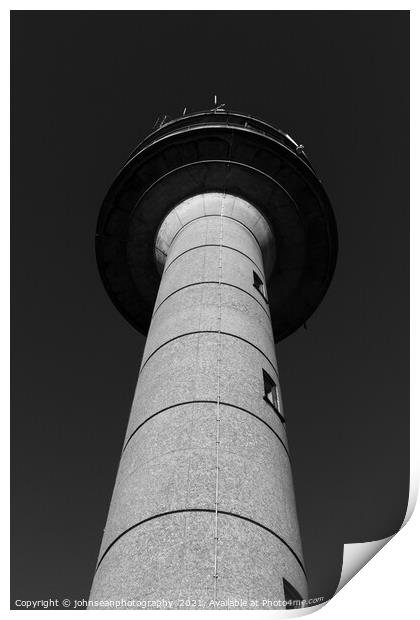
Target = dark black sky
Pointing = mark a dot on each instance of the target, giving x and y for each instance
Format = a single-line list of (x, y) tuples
[(86, 87)]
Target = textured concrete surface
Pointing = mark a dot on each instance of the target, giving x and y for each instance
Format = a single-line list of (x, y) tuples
[(203, 505), (250, 456), (172, 558), (208, 204)]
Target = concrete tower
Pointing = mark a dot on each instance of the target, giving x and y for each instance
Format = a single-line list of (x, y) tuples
[(217, 240)]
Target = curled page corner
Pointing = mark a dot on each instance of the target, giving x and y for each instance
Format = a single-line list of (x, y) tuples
[(357, 555)]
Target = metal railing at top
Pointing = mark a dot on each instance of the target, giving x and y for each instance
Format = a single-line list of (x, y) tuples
[(219, 117)]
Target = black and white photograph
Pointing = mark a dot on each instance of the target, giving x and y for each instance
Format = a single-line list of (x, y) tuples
[(210, 306)]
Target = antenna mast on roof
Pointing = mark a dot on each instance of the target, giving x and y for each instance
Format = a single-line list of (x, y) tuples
[(218, 108)]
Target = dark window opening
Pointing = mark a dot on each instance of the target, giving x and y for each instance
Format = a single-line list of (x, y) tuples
[(291, 596), (259, 284), (271, 394)]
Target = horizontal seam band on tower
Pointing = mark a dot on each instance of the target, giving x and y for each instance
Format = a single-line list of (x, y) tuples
[(229, 217), (203, 402), (209, 510), (212, 245), (211, 282), (209, 331)]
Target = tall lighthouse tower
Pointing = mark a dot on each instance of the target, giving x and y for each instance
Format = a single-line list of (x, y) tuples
[(216, 240)]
